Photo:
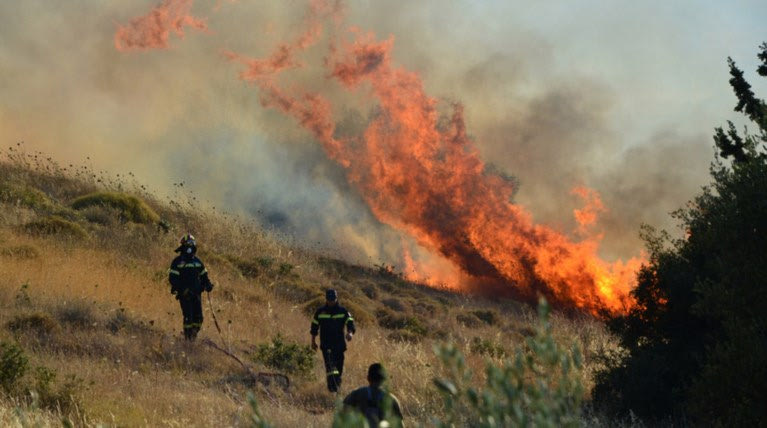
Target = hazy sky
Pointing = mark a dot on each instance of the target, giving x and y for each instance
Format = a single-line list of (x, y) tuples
[(620, 96)]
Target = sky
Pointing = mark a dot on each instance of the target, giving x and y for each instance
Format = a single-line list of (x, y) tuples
[(618, 96)]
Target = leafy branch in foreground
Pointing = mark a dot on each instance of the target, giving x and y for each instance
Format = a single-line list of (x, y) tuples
[(540, 386)]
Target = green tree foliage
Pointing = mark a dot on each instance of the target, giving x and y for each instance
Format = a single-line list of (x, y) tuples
[(696, 340), (13, 366), (539, 387)]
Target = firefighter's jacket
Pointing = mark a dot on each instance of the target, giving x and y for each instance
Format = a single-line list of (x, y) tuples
[(188, 275), (330, 321)]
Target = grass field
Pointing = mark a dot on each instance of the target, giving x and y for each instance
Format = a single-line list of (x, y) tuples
[(84, 294)]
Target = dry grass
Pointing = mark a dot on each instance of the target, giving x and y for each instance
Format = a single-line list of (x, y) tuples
[(100, 309)]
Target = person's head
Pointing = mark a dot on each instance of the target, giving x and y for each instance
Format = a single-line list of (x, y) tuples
[(376, 374), (331, 297), (188, 245)]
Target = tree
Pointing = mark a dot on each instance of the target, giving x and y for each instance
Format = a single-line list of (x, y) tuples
[(697, 338)]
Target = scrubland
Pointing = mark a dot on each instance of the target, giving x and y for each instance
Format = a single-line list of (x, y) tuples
[(84, 296)]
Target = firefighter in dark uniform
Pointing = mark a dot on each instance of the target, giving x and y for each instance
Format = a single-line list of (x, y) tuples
[(329, 321), (188, 279)]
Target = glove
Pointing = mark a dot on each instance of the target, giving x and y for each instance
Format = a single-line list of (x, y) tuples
[(209, 287)]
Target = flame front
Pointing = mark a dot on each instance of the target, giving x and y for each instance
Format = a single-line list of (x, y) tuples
[(422, 174)]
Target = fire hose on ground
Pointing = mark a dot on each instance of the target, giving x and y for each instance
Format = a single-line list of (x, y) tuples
[(265, 378)]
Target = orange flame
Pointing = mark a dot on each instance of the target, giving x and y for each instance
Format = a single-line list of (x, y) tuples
[(423, 175), (426, 178), (588, 215), (152, 30)]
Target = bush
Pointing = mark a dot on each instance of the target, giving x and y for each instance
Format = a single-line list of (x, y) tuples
[(539, 387), (290, 358), (695, 337), (13, 366), (468, 320), (296, 292), (488, 317), (38, 323), (76, 313), (21, 252), (370, 291), (393, 304), (392, 321), (248, 269), (481, 346), (64, 397), (55, 225), (25, 196), (130, 207)]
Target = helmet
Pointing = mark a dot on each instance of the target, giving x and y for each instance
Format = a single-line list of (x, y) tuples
[(187, 244), (188, 240)]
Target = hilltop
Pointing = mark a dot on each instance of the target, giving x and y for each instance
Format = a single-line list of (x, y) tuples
[(84, 295)]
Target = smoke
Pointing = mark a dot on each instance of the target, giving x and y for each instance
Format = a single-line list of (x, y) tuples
[(152, 30), (182, 113)]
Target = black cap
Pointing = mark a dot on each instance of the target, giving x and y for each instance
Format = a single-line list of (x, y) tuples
[(331, 295), (376, 373)]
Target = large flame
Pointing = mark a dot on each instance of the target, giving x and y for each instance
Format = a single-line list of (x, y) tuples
[(420, 173)]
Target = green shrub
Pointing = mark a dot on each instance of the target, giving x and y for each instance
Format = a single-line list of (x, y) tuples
[(23, 195), (265, 262), (481, 346), (13, 366), (37, 323), (285, 269), (130, 207), (392, 321), (101, 214), (55, 225), (539, 387), (64, 396), (290, 358), (21, 252)]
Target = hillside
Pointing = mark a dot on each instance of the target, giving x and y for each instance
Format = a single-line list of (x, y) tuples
[(84, 293)]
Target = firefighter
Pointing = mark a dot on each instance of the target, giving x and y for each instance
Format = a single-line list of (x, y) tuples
[(329, 321), (188, 279), (379, 407)]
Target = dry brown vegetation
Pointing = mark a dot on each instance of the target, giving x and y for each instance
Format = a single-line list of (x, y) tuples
[(83, 291)]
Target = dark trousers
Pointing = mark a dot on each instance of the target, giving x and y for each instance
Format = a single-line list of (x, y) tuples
[(334, 367), (191, 307)]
